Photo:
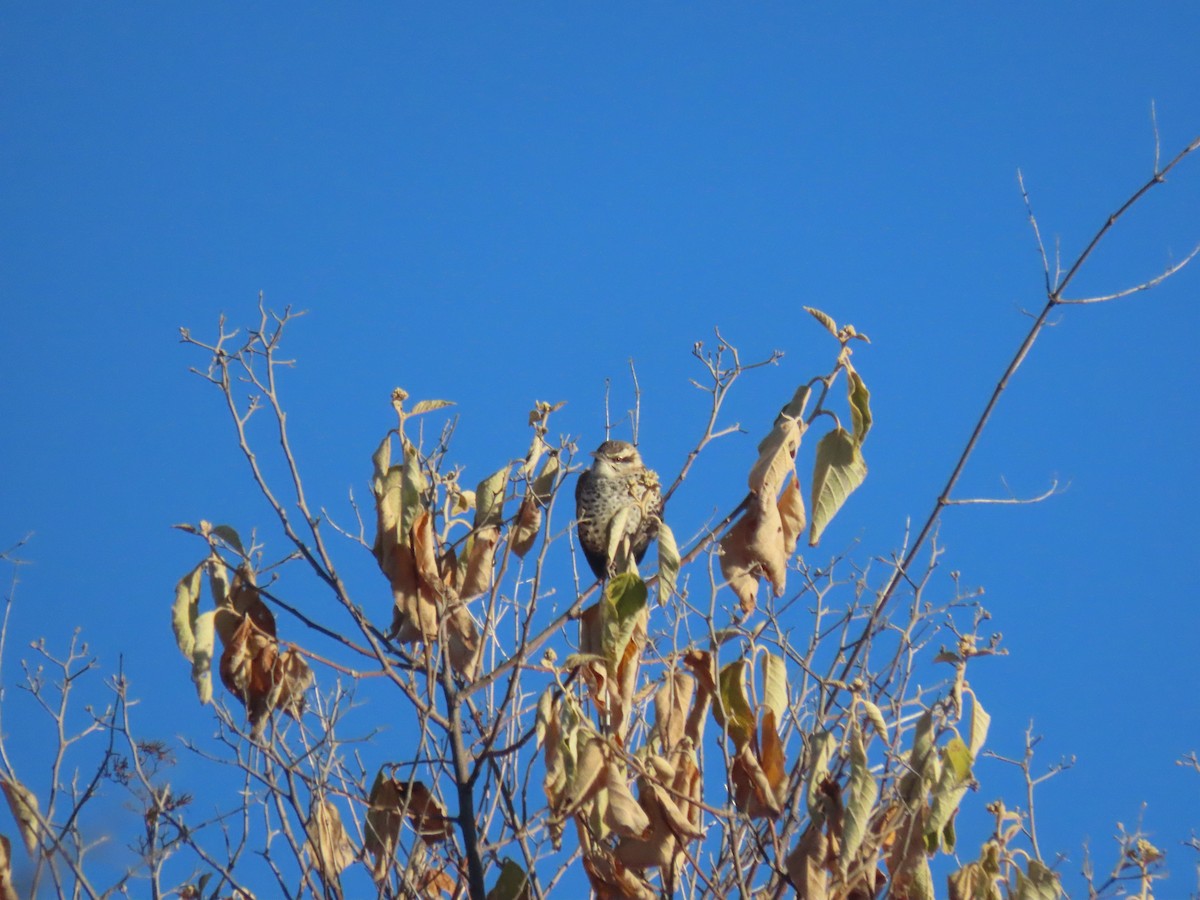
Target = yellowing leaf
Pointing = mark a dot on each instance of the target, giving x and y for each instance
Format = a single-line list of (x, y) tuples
[(668, 563), (958, 756), (980, 721), (185, 610), (838, 471), (624, 599), (489, 499), (861, 794), (410, 493), (202, 656), (860, 404), (820, 751), (732, 711), (424, 406), (24, 807), (875, 716), (824, 319), (775, 685), (1041, 883)]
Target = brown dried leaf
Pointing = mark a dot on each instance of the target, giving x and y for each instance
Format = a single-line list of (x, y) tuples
[(424, 544), (792, 514), (383, 823), (529, 523), (611, 880), (670, 709), (292, 678), (590, 769), (622, 814), (772, 757), (328, 845), (766, 546), (478, 578), (738, 566), (425, 812), (594, 669), (806, 864), (244, 598), (753, 793), (462, 642), (776, 457)]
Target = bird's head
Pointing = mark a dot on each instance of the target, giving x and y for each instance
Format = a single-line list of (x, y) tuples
[(616, 458)]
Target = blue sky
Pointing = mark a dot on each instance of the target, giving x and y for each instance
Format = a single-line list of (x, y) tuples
[(497, 205)]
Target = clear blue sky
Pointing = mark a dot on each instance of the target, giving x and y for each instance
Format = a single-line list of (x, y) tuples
[(501, 204)]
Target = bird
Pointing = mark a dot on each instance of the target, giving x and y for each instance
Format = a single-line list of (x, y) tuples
[(616, 481)]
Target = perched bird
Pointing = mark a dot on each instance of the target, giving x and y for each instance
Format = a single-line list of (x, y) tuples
[(617, 487)]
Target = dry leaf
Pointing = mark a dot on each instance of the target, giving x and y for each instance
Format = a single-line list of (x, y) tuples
[(792, 514), (7, 891), (462, 642), (478, 578), (328, 845)]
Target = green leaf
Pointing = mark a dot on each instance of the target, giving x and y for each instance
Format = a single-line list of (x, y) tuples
[(912, 785), (668, 562), (624, 599), (202, 656), (513, 883), (1040, 884), (185, 610), (959, 758), (948, 793), (229, 535), (821, 750), (837, 473), (860, 404), (733, 712), (489, 499), (775, 685), (824, 319), (861, 794), (410, 492)]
